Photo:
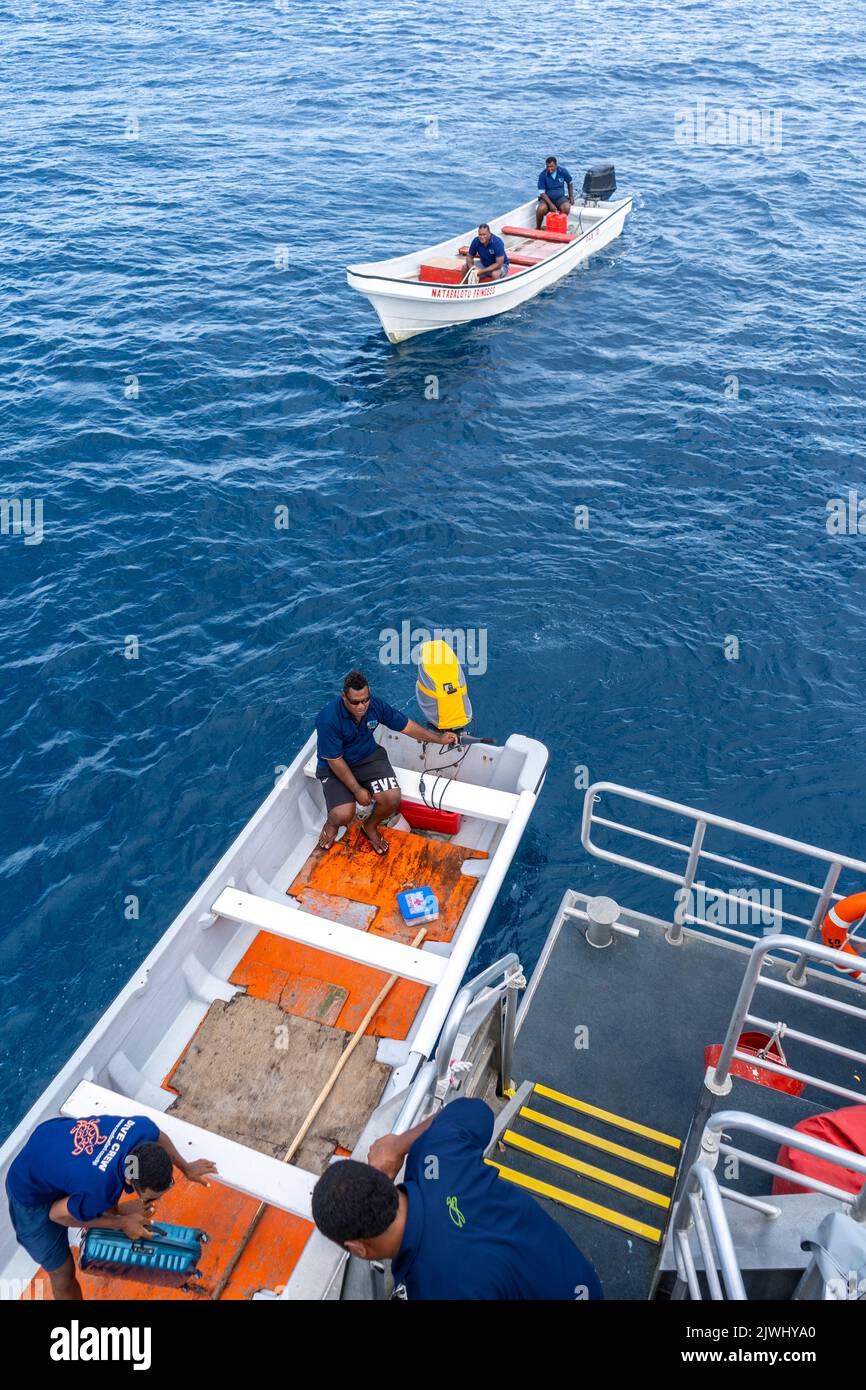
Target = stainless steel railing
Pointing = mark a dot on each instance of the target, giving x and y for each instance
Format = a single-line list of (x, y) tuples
[(712, 1147), (495, 986), (701, 1206), (701, 1203), (719, 1080), (698, 856)]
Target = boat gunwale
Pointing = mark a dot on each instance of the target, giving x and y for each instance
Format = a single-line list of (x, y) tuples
[(366, 270), (91, 1058)]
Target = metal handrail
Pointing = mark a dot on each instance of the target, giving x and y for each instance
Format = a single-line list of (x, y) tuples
[(466, 996), (434, 1071), (702, 1197), (701, 1192), (719, 1081), (696, 854), (725, 1120)]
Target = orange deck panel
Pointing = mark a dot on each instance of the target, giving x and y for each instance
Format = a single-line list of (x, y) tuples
[(351, 883), (225, 1215), (341, 883)]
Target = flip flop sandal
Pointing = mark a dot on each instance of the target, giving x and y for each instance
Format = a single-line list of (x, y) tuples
[(375, 848)]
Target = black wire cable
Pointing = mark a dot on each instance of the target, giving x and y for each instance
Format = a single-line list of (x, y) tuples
[(437, 776)]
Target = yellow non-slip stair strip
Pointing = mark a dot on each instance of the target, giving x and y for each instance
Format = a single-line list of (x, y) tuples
[(587, 1170), (568, 1199), (596, 1142), (608, 1117)]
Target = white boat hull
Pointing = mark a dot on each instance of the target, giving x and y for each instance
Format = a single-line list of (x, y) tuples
[(407, 308), (130, 1050)]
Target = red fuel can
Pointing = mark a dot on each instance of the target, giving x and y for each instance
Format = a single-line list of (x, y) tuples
[(426, 818), (556, 222)]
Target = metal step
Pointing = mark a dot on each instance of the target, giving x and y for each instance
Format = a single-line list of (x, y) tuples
[(620, 1121), (570, 1199), (597, 1141), (588, 1170), (541, 1157)]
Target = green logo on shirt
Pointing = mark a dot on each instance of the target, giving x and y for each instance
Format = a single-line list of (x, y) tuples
[(454, 1211)]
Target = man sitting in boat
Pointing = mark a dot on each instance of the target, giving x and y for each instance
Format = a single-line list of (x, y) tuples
[(453, 1228), (353, 767), (73, 1172), (489, 250), (552, 197)]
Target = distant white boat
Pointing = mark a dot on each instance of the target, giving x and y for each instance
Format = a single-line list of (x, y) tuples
[(406, 305)]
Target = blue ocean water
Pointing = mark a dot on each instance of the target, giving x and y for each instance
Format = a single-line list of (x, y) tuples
[(185, 183)]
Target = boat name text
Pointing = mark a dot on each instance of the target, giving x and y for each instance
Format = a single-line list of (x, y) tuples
[(439, 293)]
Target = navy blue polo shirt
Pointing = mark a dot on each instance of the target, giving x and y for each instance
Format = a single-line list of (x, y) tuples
[(79, 1159), (555, 184), (472, 1235), (340, 736), (489, 253)]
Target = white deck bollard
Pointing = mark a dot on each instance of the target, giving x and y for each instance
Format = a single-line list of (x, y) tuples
[(601, 914)]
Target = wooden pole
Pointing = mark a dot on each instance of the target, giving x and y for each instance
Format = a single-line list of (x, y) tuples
[(311, 1115)]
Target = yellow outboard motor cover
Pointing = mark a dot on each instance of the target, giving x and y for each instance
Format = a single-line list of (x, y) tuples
[(441, 687)]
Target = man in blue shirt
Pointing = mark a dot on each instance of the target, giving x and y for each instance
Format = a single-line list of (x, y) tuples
[(353, 767), (73, 1173), (453, 1228), (552, 197), (490, 252)]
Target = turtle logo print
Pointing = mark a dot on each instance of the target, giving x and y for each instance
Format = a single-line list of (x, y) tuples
[(85, 1137), (454, 1212)]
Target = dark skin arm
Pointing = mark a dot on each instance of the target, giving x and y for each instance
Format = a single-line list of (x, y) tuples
[(388, 1154), (432, 735), (493, 269), (193, 1172), (133, 1217), (341, 769), (484, 270)]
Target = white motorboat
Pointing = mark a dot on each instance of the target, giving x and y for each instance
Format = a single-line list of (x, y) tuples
[(407, 304), (226, 1032)]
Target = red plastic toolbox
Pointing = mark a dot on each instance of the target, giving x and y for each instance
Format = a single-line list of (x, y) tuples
[(426, 818)]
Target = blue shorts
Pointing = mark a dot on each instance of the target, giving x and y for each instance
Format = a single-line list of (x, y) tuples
[(483, 272), (45, 1241)]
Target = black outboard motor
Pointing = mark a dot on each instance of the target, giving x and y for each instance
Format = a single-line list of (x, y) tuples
[(599, 182)]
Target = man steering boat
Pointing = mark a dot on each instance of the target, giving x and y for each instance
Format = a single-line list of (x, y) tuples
[(353, 767)]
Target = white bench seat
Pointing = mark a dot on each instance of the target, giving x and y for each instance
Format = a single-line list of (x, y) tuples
[(256, 1174), (449, 794), (391, 957)]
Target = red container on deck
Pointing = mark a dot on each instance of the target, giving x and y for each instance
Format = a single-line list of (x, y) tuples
[(757, 1043), (426, 818), (443, 270), (556, 222)]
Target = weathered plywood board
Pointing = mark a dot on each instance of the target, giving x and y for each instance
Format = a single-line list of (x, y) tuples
[(252, 1072)]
